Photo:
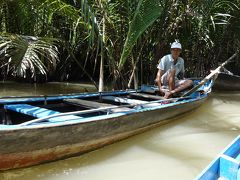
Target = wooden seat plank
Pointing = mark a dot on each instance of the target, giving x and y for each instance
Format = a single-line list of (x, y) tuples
[(87, 103), (149, 96), (91, 104), (123, 100), (38, 112)]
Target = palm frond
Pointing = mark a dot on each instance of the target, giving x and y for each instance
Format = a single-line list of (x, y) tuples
[(24, 53), (146, 13)]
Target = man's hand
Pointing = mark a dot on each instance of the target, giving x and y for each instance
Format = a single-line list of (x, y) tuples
[(161, 92)]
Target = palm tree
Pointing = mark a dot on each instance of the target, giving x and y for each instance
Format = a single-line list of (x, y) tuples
[(20, 54), (126, 37)]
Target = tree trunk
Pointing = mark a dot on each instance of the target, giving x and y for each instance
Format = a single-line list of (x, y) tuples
[(134, 75), (101, 74)]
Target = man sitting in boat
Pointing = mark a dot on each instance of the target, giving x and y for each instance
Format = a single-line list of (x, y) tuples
[(170, 68)]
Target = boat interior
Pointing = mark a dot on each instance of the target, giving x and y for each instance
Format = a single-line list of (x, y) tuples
[(58, 108), (20, 110)]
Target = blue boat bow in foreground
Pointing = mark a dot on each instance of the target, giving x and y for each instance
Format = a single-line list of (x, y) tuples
[(226, 166)]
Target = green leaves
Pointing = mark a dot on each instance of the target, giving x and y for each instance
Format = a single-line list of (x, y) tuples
[(115, 29), (146, 13), (22, 53)]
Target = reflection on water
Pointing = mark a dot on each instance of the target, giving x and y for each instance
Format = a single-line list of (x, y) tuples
[(26, 89), (178, 150)]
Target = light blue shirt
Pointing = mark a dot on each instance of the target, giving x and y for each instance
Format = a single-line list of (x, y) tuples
[(167, 63)]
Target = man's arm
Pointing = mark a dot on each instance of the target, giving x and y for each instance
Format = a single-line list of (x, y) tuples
[(181, 75)]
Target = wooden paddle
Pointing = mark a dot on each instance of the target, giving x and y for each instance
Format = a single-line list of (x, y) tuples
[(208, 77)]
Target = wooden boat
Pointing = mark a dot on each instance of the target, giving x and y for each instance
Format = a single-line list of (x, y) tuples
[(227, 82), (41, 129), (226, 165)]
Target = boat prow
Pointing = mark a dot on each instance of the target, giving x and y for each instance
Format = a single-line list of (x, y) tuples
[(225, 166)]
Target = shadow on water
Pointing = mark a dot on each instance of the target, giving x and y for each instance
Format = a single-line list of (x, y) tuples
[(187, 144)]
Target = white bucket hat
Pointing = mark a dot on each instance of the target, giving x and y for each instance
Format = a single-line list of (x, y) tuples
[(176, 45)]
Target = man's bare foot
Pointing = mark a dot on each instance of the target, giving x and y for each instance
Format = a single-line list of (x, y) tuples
[(168, 95)]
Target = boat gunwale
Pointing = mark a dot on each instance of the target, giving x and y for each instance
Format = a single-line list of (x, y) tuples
[(21, 99)]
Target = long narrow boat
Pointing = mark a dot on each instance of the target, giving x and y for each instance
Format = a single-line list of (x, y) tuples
[(41, 129), (227, 82), (226, 165)]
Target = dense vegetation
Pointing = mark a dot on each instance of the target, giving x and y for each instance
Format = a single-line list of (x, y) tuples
[(119, 41)]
